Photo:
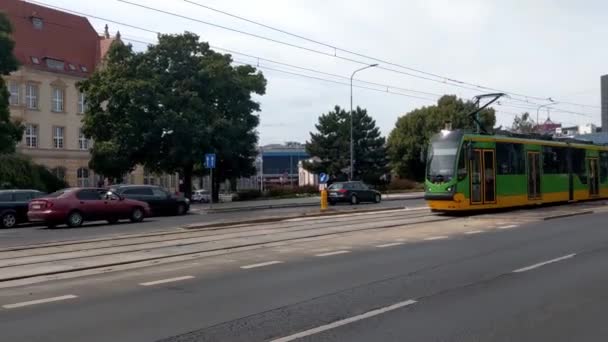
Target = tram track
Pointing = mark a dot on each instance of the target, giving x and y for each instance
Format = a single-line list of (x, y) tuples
[(15, 267)]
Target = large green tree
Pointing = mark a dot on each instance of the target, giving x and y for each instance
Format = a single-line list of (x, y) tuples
[(10, 131), (331, 144), (166, 107), (409, 138)]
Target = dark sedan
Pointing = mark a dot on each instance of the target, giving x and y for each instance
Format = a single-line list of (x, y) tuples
[(161, 201), (13, 206), (352, 192)]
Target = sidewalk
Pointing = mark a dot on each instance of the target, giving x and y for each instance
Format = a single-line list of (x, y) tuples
[(287, 203)]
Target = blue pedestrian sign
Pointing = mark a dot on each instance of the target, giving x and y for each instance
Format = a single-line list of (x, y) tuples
[(323, 177), (210, 160)]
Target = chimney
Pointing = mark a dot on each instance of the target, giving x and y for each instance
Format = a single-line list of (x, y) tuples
[(604, 96)]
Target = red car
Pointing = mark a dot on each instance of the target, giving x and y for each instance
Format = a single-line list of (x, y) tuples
[(73, 206)]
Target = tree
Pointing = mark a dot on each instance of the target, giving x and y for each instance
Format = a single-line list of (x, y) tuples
[(166, 107), (10, 132), (331, 144), (408, 140), (523, 124)]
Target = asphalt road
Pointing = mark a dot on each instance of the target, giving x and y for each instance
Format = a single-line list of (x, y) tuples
[(26, 235), (541, 281)]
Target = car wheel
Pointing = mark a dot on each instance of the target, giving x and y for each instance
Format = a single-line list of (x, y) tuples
[(377, 198), (9, 220), (75, 219), (181, 209), (354, 200), (137, 215), (51, 226), (112, 221)]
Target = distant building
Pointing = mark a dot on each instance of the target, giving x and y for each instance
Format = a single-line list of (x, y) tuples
[(279, 163), (305, 177), (572, 131), (604, 98), (548, 127)]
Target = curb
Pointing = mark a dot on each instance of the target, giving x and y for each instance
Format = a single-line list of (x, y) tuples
[(586, 212), (283, 218), (288, 205)]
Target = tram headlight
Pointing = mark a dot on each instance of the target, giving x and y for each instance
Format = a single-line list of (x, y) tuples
[(449, 188)]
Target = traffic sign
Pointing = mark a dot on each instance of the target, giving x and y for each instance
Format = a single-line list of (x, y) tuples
[(323, 177), (210, 160)]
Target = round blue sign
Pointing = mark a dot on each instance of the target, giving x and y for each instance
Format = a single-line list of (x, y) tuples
[(323, 177)]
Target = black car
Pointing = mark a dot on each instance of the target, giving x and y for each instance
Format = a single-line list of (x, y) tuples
[(160, 200), (13, 206), (352, 192)]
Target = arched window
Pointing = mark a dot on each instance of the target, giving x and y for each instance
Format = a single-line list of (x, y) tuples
[(83, 177), (59, 172)]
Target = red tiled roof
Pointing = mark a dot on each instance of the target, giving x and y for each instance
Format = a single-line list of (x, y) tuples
[(63, 36)]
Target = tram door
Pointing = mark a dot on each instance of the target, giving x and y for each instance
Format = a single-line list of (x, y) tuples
[(534, 173), (483, 176), (594, 179)]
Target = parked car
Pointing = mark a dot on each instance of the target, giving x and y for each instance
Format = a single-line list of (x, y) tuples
[(74, 206), (13, 206), (201, 196), (352, 192), (160, 200)]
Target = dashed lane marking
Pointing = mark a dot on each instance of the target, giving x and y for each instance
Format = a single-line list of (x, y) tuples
[(163, 281), (390, 244), (345, 321), (540, 264), (39, 301), (332, 253), (268, 263), (473, 232), (432, 238), (508, 226)]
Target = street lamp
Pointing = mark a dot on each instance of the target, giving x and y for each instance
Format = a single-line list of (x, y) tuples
[(552, 102), (352, 146)]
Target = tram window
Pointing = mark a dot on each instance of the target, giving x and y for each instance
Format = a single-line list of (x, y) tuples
[(555, 160), (603, 167), (462, 164), (510, 159), (578, 164)]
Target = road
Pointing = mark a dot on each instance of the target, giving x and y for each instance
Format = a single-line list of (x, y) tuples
[(38, 234), (492, 278)]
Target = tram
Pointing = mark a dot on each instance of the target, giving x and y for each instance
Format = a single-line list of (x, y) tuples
[(477, 172)]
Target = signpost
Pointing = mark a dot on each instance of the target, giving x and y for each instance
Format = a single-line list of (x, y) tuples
[(323, 178), (210, 164)]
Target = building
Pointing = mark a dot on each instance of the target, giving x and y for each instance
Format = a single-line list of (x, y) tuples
[(548, 127), (604, 98), (279, 163), (572, 131), (56, 50), (305, 177)]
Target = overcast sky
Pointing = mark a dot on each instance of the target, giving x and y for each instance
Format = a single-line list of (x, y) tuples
[(539, 48)]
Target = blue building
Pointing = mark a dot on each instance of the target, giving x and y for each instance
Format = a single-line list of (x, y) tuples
[(279, 163)]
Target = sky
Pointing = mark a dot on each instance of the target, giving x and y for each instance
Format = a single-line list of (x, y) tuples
[(534, 50)]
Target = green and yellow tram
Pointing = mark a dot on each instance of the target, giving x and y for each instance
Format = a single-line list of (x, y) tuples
[(475, 171)]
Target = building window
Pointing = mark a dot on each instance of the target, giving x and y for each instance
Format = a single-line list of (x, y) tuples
[(31, 96), (81, 103), (58, 134), (13, 89), (55, 64), (59, 172), (35, 60), (38, 23), (149, 179), (83, 142), (84, 68), (57, 100), (82, 174), (31, 136), (72, 67)]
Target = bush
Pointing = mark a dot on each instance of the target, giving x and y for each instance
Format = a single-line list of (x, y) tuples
[(18, 172), (292, 192), (248, 195), (404, 184)]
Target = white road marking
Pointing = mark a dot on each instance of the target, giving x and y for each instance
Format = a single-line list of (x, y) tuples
[(38, 301), (268, 263), (473, 232), (436, 238), (332, 253), (390, 244), (299, 219), (508, 227), (345, 321), (163, 281), (540, 264)]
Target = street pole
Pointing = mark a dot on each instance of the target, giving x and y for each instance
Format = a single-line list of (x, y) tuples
[(211, 186), (542, 106), (352, 145)]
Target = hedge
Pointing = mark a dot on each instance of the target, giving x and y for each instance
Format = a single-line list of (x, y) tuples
[(19, 172)]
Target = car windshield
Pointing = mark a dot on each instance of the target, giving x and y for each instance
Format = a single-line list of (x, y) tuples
[(336, 186), (57, 194)]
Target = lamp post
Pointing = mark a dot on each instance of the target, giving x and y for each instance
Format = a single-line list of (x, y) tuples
[(542, 106), (352, 146)]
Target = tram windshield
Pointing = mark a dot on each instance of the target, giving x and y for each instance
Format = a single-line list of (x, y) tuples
[(441, 159)]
